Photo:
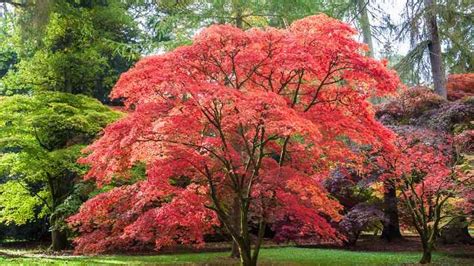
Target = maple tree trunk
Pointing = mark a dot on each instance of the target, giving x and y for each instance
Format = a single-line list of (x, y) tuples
[(245, 246), (244, 239), (391, 228), (426, 257), (245, 249), (246, 257), (427, 249), (434, 48), (235, 253)]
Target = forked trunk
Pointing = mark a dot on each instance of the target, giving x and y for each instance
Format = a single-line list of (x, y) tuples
[(246, 257), (249, 257)]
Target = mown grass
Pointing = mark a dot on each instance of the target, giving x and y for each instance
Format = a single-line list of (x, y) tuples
[(270, 256)]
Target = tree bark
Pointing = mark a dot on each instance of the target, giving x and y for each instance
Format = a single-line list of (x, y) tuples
[(365, 25), (59, 187), (391, 228), (426, 258), (59, 240), (434, 48), (246, 257), (235, 252)]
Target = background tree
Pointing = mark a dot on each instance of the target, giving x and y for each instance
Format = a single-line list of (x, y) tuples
[(68, 46), (391, 226), (424, 173), (420, 108), (173, 23), (40, 138), (363, 14), (447, 26), (78, 47), (8, 57), (434, 49)]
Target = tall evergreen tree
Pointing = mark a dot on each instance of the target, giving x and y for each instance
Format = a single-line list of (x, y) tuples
[(73, 46), (441, 37)]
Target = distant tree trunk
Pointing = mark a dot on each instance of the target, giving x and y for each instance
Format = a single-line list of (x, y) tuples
[(237, 8), (365, 25), (59, 187), (67, 83), (59, 240), (391, 228), (434, 48)]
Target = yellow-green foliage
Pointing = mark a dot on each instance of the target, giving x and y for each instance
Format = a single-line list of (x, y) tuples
[(41, 137)]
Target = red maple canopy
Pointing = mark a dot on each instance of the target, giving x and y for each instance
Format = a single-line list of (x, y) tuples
[(257, 117)]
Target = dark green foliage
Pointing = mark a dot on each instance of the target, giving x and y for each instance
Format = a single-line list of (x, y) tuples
[(455, 31), (172, 23), (81, 47)]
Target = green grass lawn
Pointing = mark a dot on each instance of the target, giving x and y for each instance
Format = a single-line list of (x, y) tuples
[(271, 256)]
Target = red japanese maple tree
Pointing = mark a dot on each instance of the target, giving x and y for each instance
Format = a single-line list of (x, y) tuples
[(254, 118), (423, 169)]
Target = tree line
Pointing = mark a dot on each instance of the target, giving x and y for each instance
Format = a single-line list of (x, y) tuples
[(59, 60)]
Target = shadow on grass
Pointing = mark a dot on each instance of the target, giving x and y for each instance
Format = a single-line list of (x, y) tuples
[(459, 255)]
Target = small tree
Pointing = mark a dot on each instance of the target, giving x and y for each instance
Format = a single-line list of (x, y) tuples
[(41, 137), (257, 116), (423, 170)]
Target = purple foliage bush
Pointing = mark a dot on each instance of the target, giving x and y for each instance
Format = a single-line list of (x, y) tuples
[(361, 217)]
